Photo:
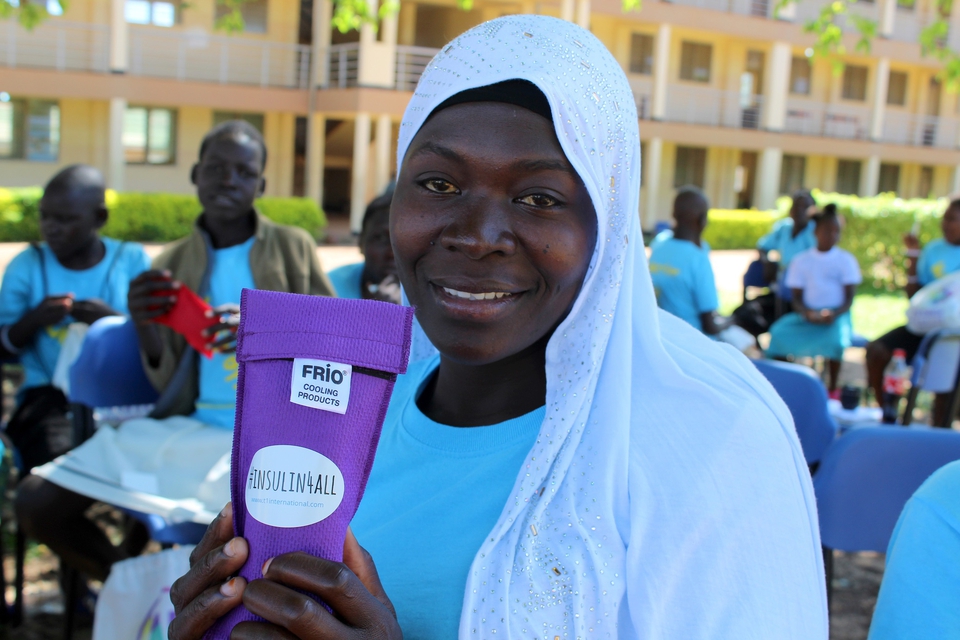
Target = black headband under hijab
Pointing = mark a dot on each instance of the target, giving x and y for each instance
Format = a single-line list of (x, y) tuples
[(516, 92)]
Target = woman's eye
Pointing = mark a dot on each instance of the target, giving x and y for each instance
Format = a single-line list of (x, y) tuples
[(438, 185), (538, 200)]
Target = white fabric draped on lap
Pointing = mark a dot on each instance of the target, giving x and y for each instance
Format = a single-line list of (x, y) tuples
[(667, 495)]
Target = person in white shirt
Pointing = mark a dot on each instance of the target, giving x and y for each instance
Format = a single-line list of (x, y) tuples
[(823, 281)]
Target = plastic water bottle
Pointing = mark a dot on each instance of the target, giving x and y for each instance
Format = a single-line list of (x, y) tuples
[(895, 381)]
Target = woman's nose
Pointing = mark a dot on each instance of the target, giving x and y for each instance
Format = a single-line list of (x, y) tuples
[(480, 228)]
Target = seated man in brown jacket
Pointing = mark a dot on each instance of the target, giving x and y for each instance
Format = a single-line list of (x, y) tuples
[(182, 451)]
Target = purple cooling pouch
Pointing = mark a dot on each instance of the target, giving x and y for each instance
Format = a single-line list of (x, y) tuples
[(315, 379)]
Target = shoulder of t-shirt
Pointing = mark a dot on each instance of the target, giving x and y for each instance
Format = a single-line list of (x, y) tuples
[(941, 494), (937, 245), (22, 264)]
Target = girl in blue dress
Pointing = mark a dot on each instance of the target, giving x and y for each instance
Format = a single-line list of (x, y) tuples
[(823, 281)]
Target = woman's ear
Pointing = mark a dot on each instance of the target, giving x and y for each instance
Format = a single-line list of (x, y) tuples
[(262, 188), (101, 215)]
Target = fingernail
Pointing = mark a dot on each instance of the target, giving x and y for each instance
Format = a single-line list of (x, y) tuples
[(230, 549), (266, 566), (229, 588), (226, 510)]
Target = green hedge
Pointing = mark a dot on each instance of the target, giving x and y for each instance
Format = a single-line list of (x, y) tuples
[(874, 231), (148, 217)]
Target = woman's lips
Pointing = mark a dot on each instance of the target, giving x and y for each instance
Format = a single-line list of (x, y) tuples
[(486, 295), (487, 305)]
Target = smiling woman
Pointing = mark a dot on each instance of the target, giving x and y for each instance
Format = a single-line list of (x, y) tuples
[(565, 461)]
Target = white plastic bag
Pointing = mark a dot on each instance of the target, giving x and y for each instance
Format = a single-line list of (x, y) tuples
[(936, 306), (69, 352), (134, 603), (737, 336)]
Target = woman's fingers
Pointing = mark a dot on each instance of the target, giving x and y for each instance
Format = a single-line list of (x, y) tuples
[(260, 631), (218, 533), (218, 556), (276, 600), (203, 611)]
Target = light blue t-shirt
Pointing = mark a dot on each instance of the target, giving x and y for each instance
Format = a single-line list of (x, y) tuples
[(24, 287), (920, 594), (346, 280), (781, 240), (231, 273), (434, 494), (939, 258), (683, 280), (667, 234)]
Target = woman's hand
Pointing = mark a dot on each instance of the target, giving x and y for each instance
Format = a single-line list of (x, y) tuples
[(911, 242), (89, 311), (151, 295), (352, 589), (223, 335), (207, 592)]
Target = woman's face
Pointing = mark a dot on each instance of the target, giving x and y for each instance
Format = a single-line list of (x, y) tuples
[(492, 230)]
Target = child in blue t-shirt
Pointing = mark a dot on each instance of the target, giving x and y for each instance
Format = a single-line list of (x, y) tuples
[(680, 267), (376, 277), (75, 275), (823, 281)]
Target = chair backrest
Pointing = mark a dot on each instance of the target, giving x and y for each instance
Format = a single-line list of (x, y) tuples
[(806, 398), (867, 476), (753, 277), (662, 225), (108, 372)]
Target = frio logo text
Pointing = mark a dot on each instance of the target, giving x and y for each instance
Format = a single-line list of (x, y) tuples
[(324, 374)]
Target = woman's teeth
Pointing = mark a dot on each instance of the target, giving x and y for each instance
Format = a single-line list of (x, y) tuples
[(477, 296)]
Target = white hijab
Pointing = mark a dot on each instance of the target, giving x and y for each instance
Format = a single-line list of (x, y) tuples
[(667, 495)]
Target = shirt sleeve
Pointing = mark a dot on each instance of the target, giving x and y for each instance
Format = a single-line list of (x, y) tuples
[(705, 288), (795, 274), (851, 271), (16, 290), (924, 267), (770, 241), (921, 582)]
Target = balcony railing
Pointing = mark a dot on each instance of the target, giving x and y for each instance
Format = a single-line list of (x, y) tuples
[(55, 44), (918, 130), (759, 8), (812, 118), (200, 56), (411, 61), (712, 107), (343, 65), (643, 95)]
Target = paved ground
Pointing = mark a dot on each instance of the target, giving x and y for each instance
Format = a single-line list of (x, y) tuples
[(857, 576)]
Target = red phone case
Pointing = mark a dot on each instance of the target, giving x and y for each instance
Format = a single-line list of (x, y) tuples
[(189, 317)]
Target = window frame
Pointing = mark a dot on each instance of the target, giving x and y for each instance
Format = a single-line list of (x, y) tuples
[(177, 14), (786, 188), (849, 162), (173, 137), (794, 60), (698, 180), (637, 50), (905, 88), (690, 66), (886, 167), (222, 10), (848, 81), (21, 130)]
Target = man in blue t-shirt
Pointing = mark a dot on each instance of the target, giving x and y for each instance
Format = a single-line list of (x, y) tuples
[(939, 258), (680, 268), (73, 276), (376, 277), (789, 236)]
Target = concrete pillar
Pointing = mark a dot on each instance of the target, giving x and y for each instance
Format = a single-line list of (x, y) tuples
[(955, 184), (881, 83), (320, 49), (583, 13), (316, 152), (651, 183), (361, 163), (116, 163), (383, 142), (407, 33), (661, 67), (777, 84), (118, 37), (567, 10), (870, 177), (767, 186), (378, 60), (888, 15)]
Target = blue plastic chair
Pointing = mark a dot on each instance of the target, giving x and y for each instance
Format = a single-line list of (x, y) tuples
[(109, 373), (806, 398), (662, 225)]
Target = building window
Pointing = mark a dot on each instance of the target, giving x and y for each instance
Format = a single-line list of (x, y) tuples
[(889, 178), (926, 182), (695, 61), (690, 167), (29, 129), (848, 177), (256, 119), (897, 88), (641, 54), (792, 171), (254, 14), (800, 71), (149, 135), (155, 12), (854, 83)]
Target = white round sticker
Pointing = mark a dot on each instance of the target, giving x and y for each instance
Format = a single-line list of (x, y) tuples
[(291, 486)]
